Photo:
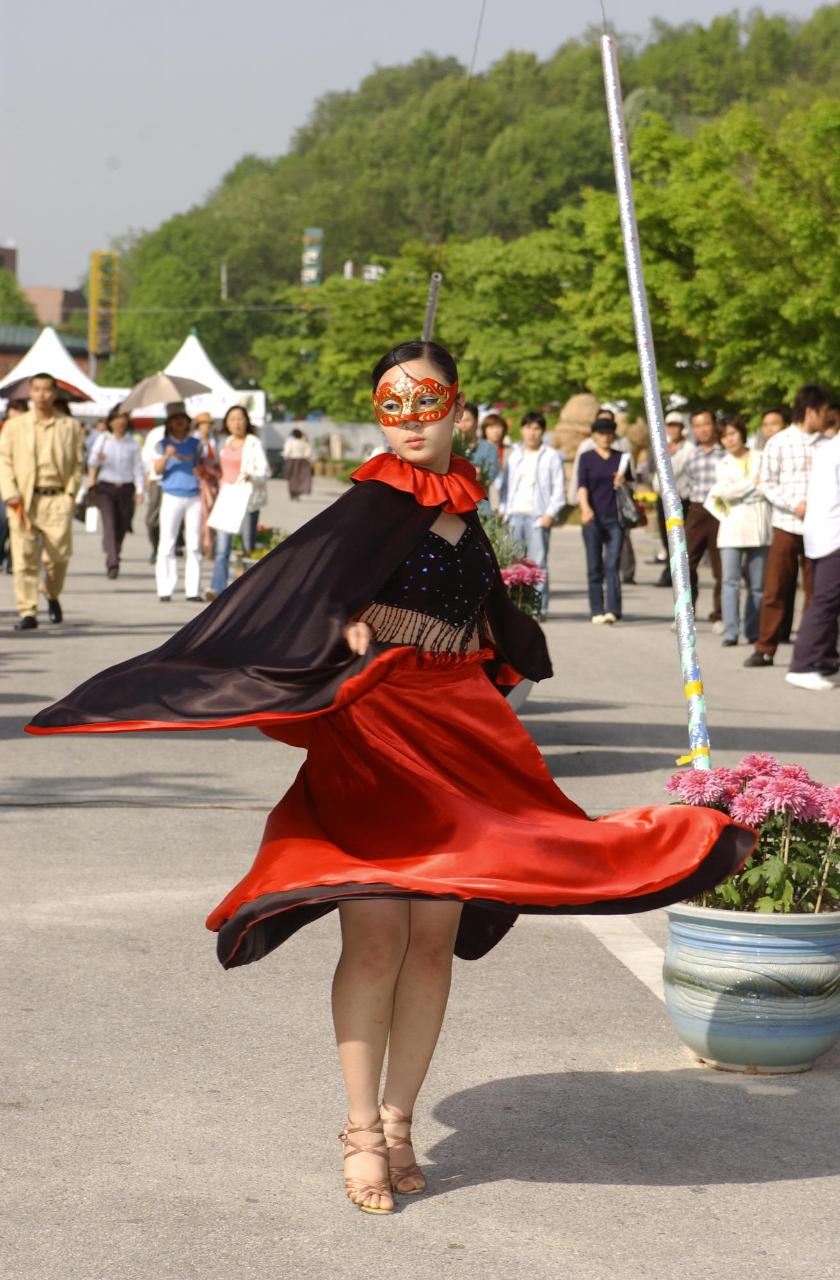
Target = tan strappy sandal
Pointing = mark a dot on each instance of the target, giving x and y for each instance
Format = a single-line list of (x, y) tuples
[(400, 1174), (358, 1189)]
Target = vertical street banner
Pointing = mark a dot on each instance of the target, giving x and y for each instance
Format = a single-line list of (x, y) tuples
[(310, 266), (102, 303)]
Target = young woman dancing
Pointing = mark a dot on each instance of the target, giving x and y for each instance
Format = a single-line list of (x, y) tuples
[(379, 637)]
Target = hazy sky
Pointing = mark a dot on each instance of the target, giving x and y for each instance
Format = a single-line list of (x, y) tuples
[(119, 114)]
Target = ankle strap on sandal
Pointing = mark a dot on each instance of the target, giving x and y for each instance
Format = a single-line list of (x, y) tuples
[(356, 1148)]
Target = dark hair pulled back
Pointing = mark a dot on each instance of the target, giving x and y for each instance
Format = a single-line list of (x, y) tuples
[(404, 351)]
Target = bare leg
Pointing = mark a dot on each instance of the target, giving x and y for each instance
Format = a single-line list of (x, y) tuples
[(419, 1005), (374, 937)]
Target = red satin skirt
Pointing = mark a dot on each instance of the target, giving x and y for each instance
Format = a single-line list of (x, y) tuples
[(428, 786)]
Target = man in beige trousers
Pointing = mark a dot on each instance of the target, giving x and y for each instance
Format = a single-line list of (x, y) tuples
[(41, 464)]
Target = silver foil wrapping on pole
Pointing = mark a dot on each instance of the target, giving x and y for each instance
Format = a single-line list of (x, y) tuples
[(698, 734), (435, 282)]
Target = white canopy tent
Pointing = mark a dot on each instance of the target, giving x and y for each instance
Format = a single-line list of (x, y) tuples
[(48, 354), (192, 361)]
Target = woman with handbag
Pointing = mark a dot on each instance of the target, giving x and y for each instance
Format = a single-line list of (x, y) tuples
[(242, 461), (603, 473), (744, 532)]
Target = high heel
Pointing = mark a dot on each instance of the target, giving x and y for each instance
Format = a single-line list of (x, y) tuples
[(401, 1174), (359, 1189)]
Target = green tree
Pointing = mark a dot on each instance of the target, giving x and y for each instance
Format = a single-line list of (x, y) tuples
[(15, 307)]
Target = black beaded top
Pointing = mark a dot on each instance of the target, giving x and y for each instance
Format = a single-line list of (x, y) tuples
[(435, 597)]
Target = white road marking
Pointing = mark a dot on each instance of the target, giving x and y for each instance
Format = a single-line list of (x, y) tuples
[(623, 938)]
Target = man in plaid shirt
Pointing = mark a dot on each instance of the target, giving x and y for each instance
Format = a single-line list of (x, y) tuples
[(701, 527), (785, 470)]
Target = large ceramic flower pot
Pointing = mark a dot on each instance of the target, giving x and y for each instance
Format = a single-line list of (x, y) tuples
[(753, 992)]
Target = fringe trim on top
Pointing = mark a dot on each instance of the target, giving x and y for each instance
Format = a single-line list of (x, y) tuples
[(392, 625)]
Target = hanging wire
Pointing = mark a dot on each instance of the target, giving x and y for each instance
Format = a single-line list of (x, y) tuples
[(436, 279)]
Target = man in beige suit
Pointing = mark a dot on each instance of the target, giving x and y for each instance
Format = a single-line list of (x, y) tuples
[(40, 470)]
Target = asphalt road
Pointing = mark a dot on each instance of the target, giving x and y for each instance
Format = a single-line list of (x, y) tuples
[(165, 1119)]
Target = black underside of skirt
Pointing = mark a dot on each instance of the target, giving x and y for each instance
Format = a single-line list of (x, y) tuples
[(260, 926)]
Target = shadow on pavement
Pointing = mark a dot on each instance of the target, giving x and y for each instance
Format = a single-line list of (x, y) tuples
[(638, 736), (647, 1128), (117, 789), (586, 764)]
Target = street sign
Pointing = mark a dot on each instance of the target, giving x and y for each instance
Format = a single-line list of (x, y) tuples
[(102, 303), (310, 267)]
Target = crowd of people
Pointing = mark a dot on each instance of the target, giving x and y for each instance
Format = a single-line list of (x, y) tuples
[(758, 508), (755, 507), (201, 488)]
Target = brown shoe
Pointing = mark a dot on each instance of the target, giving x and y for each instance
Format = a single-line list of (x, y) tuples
[(406, 1179), (360, 1190)]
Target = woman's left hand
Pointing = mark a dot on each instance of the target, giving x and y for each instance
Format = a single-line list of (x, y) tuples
[(618, 480), (358, 636)]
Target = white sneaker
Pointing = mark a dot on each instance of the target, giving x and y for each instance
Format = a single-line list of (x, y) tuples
[(717, 627), (610, 618), (809, 680), (599, 619)]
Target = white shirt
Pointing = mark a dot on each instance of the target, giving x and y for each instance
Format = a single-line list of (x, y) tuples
[(522, 499), (822, 515), (150, 444), (547, 493), (118, 460), (785, 470)]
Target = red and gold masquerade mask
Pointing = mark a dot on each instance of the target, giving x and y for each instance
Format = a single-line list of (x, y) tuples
[(408, 400)]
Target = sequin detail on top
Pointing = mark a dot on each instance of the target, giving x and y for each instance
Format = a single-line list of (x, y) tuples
[(434, 599)]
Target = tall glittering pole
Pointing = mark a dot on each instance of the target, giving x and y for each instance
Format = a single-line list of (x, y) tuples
[(435, 282), (698, 733)]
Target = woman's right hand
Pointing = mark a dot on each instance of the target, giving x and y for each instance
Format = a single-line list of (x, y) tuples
[(587, 515), (358, 636)]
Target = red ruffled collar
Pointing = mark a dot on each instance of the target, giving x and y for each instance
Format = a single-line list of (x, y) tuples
[(458, 491)]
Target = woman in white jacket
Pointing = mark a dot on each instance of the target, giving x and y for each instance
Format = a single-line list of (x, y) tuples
[(242, 461), (744, 532)]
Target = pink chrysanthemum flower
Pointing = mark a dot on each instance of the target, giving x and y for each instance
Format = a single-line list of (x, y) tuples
[(699, 786), (760, 783), (815, 803), (760, 762), (788, 796), (730, 782), (672, 786), (831, 808), (523, 573), (750, 807), (796, 771)]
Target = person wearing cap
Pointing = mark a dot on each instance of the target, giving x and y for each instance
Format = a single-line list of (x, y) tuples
[(209, 475), (601, 470), (40, 472), (204, 429), (627, 566), (177, 459)]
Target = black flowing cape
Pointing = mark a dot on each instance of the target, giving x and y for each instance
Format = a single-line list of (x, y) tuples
[(272, 646)]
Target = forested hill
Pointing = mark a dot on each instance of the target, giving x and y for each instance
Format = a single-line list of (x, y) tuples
[(376, 168)]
